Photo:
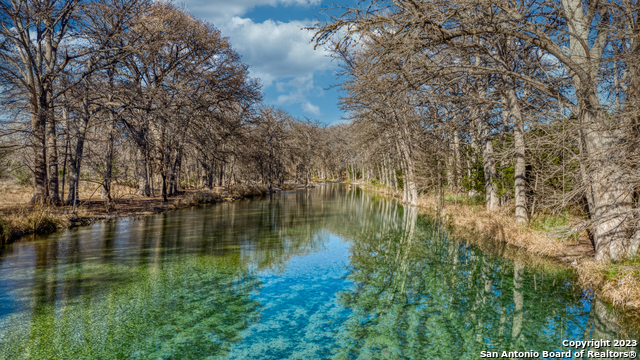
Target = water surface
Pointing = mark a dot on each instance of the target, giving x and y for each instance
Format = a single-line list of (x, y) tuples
[(328, 273)]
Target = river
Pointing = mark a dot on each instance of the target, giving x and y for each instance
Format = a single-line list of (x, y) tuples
[(326, 273)]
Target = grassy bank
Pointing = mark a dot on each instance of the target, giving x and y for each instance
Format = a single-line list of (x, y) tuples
[(545, 236), (18, 219)]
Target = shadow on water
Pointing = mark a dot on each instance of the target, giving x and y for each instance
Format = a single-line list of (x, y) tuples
[(189, 285)]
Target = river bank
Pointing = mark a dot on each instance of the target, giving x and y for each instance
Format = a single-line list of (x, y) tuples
[(17, 220), (617, 284)]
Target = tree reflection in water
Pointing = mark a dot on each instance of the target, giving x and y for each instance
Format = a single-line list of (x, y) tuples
[(419, 294)]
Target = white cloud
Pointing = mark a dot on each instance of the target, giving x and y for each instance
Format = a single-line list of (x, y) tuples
[(279, 53), (297, 91), (304, 82), (275, 49), (311, 109)]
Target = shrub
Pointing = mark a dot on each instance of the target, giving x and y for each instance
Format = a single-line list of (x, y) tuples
[(5, 231), (20, 173)]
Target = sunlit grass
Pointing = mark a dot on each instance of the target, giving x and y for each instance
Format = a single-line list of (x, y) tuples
[(619, 282), (556, 225), (474, 200), (39, 219)]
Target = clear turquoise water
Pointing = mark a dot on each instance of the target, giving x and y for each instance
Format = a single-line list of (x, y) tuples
[(328, 273)]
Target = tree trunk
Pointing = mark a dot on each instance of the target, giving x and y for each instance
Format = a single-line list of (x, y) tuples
[(307, 176), (143, 176), (108, 165), (612, 197), (520, 167), (163, 177), (385, 172), (38, 123), (175, 186), (403, 166), (164, 170), (450, 169), (473, 155), (76, 159), (75, 164), (393, 173), (221, 173), (458, 160), (404, 145), (489, 164), (67, 143), (52, 158), (209, 178)]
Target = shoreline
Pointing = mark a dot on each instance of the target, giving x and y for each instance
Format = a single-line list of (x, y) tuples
[(19, 221), (616, 284)]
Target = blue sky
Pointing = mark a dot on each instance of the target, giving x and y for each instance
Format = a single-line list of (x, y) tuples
[(268, 35)]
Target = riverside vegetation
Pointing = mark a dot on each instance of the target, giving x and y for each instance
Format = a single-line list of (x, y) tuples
[(533, 116)]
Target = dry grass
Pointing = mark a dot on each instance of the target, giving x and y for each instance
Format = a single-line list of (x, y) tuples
[(5, 231), (21, 220), (289, 186), (618, 283), (497, 226), (198, 197), (38, 219), (13, 194), (241, 191)]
